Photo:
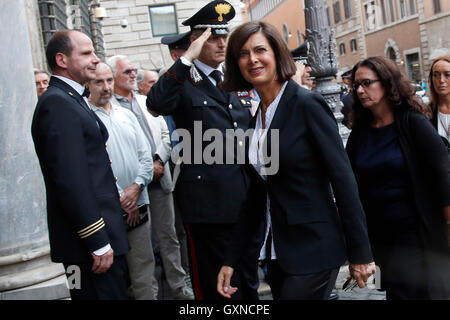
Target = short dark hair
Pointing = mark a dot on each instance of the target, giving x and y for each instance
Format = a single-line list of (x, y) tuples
[(233, 79), (59, 43), (399, 91)]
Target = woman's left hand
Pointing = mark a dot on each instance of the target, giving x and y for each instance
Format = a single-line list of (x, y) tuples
[(223, 282), (362, 272)]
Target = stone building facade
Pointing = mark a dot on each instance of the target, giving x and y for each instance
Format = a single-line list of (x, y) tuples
[(286, 15), (135, 27), (45, 17), (410, 32)]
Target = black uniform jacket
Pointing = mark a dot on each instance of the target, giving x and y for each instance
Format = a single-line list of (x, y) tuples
[(311, 233), (83, 208), (207, 191)]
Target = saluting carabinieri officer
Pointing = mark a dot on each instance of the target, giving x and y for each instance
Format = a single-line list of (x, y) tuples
[(210, 196)]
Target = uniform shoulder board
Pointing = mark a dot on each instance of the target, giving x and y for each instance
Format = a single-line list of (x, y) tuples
[(242, 94)]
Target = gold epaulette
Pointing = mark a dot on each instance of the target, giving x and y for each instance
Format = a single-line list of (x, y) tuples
[(93, 228)]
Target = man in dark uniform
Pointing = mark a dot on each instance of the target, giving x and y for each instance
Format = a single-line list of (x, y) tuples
[(347, 99), (85, 222), (178, 44), (300, 55), (210, 194)]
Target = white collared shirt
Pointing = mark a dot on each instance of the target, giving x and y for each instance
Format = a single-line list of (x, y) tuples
[(207, 70), (128, 149), (75, 85), (256, 155), (203, 67)]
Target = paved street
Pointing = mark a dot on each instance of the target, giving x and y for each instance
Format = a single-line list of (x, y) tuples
[(367, 293)]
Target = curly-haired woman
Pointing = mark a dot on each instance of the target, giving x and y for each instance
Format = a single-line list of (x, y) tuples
[(401, 164)]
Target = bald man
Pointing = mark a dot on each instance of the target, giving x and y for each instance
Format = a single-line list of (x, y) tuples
[(85, 223)]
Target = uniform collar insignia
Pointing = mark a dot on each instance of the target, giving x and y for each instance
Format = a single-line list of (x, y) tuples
[(195, 75)]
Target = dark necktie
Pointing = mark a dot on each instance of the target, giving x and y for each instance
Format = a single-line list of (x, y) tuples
[(216, 75), (86, 93)]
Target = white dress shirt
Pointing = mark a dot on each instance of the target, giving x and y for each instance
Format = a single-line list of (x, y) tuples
[(128, 149), (203, 67), (256, 156)]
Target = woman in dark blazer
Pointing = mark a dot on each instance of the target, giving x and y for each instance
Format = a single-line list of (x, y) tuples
[(311, 237), (439, 79), (401, 166)]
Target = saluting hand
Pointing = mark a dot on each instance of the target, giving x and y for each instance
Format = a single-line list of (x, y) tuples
[(193, 52)]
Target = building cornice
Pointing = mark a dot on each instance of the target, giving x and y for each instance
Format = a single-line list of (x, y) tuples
[(387, 26), (435, 17)]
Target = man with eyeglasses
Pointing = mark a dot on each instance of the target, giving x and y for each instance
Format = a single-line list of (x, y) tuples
[(162, 214)]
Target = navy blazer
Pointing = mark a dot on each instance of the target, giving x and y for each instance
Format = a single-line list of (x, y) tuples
[(206, 192), (310, 232), (83, 207)]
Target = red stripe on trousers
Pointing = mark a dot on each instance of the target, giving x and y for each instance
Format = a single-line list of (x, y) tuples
[(196, 281)]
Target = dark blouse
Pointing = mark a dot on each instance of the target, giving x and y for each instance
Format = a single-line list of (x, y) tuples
[(383, 179)]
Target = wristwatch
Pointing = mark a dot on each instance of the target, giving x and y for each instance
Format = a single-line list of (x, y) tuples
[(141, 186)]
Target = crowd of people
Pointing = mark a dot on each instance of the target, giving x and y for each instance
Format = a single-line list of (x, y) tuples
[(117, 198)]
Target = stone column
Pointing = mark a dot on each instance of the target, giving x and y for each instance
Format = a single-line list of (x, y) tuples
[(26, 271)]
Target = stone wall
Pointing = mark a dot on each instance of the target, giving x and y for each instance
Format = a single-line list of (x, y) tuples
[(136, 40)]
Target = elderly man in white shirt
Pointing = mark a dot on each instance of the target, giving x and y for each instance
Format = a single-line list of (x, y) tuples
[(161, 187), (132, 165)]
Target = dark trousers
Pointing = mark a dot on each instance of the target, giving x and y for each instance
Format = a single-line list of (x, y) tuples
[(313, 286), (111, 285), (401, 259), (208, 244)]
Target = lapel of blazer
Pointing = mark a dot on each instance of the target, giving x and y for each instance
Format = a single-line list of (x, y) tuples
[(282, 113), (71, 92), (283, 108), (75, 95), (250, 167)]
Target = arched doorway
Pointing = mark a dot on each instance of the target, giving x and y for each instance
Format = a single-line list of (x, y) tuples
[(391, 54)]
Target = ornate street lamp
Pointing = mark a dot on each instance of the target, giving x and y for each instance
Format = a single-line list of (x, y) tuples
[(322, 54)]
